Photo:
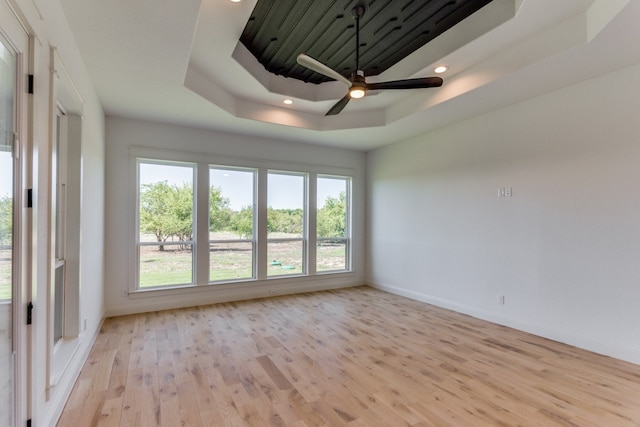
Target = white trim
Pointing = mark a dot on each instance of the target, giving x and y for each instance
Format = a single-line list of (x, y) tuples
[(205, 163), (64, 102), (15, 37), (65, 383), (215, 160), (586, 343), (212, 294)]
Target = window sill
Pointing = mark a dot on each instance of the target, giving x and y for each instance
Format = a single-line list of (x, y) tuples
[(241, 284), (63, 353)]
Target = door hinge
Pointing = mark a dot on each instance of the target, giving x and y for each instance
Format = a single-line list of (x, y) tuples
[(29, 313), (30, 84), (30, 197)]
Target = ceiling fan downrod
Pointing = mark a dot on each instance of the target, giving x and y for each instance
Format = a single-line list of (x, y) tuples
[(357, 12)]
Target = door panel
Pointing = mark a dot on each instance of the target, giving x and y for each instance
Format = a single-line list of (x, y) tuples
[(7, 180), (13, 48)]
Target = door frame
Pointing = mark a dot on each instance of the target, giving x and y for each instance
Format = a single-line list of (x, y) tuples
[(16, 35)]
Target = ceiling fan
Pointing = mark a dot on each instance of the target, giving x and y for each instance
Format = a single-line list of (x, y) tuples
[(357, 83)]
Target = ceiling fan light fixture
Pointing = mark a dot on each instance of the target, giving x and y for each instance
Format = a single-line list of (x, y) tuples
[(356, 91), (358, 86)]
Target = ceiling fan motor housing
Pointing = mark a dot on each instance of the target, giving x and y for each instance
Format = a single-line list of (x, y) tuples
[(358, 85)]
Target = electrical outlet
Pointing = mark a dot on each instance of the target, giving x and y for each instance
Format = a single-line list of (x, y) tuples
[(505, 192), (501, 299), (272, 291)]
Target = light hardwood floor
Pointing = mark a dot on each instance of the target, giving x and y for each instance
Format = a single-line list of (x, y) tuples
[(353, 357)]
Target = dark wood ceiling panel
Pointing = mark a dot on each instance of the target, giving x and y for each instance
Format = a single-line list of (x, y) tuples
[(390, 30)]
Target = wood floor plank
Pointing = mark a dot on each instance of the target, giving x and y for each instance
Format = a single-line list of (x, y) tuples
[(352, 357)]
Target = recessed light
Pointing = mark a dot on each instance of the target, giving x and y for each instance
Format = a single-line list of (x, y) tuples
[(288, 101), (441, 69), (235, 1)]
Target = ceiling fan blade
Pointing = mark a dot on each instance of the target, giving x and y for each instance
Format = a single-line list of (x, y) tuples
[(339, 106), (319, 67), (419, 83)]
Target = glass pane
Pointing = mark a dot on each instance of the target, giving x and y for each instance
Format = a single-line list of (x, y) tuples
[(231, 206), (59, 201), (332, 207), (7, 90), (285, 258), (163, 265), (331, 255), (231, 217), (58, 303), (230, 261), (59, 213), (166, 215), (6, 226), (285, 201)]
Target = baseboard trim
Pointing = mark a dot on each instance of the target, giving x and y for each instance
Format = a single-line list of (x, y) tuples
[(586, 343), (232, 293)]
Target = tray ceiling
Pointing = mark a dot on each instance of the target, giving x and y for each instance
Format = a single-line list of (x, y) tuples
[(182, 62), (278, 31)]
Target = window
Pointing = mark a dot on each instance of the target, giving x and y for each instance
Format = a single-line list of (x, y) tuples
[(7, 123), (332, 221), (231, 224), (204, 223), (165, 224), (286, 201), (60, 225), (63, 298)]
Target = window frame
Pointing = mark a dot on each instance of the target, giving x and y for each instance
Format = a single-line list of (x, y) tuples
[(253, 240), (304, 238), (204, 162), (64, 230), (347, 239), (192, 242)]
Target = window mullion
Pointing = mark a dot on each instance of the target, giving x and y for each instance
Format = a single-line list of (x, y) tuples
[(312, 213), (260, 235), (201, 224)]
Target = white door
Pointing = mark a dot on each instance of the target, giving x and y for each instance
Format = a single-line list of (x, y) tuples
[(13, 290)]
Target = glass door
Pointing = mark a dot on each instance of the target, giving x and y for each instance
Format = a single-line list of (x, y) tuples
[(15, 160), (7, 231)]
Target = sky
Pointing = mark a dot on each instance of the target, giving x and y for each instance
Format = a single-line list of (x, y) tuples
[(284, 191)]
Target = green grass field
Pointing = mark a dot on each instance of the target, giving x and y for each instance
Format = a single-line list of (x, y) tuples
[(5, 274), (231, 261)]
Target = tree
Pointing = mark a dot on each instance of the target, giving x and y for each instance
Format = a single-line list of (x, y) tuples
[(285, 221), (332, 217), (242, 222), (219, 212), (6, 220), (167, 211)]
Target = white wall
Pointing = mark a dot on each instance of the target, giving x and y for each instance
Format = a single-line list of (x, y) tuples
[(125, 133), (564, 250), (45, 21)]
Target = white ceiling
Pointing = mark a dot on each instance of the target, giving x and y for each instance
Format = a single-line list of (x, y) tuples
[(180, 62)]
